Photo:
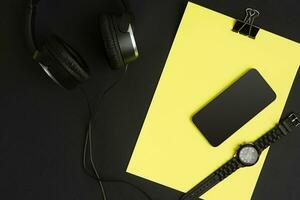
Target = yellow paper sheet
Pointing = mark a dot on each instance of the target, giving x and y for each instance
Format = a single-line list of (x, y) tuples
[(206, 57)]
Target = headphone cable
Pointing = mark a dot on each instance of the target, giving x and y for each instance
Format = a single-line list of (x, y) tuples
[(88, 143)]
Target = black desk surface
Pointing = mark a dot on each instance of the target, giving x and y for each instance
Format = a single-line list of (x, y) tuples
[(42, 125)]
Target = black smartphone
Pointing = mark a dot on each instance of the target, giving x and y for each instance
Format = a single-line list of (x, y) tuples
[(234, 107)]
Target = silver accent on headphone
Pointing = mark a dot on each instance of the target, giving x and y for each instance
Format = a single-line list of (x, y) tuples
[(46, 69), (130, 31)]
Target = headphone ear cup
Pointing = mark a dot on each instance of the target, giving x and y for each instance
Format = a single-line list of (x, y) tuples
[(62, 63), (111, 45)]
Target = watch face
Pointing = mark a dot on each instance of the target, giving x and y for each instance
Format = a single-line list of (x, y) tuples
[(248, 155)]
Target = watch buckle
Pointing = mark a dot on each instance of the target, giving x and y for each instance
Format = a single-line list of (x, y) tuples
[(294, 119)]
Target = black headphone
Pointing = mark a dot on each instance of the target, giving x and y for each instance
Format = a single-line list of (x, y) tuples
[(64, 65), (68, 69)]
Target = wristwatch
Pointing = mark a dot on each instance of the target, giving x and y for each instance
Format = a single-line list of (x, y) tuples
[(247, 155)]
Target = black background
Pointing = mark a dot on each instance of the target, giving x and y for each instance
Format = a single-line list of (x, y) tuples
[(42, 125)]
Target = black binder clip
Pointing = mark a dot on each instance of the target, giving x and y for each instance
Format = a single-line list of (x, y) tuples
[(246, 27)]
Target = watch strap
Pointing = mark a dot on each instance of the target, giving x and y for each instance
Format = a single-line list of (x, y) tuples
[(282, 129), (212, 180)]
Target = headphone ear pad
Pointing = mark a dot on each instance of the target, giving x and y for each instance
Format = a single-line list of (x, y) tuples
[(62, 63), (111, 44)]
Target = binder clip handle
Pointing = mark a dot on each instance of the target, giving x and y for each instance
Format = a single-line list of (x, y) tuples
[(251, 14), (246, 26)]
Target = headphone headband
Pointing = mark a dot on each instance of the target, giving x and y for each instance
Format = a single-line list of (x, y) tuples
[(126, 6), (30, 23)]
